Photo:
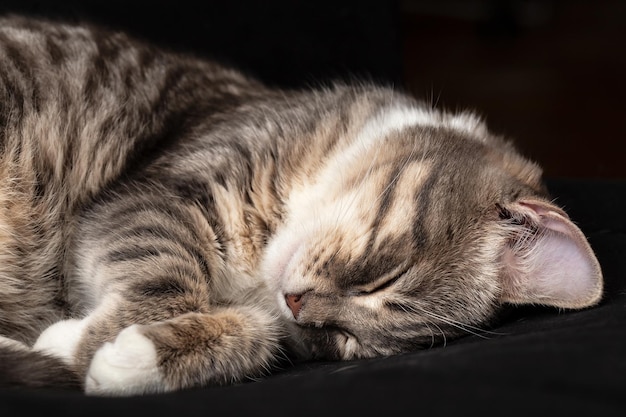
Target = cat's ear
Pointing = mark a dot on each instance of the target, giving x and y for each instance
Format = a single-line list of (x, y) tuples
[(547, 260)]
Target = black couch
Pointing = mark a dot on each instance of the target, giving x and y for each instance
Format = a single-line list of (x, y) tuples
[(536, 361)]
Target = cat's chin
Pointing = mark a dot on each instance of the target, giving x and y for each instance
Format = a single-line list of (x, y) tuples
[(296, 343)]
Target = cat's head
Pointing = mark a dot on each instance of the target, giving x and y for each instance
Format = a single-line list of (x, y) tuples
[(419, 233)]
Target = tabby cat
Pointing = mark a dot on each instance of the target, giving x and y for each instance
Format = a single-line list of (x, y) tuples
[(166, 222)]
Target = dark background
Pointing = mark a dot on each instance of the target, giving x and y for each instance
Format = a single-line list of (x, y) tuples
[(549, 74)]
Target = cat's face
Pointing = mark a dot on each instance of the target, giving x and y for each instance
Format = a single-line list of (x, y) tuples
[(414, 241)]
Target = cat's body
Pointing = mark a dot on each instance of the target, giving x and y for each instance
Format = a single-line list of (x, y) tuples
[(177, 224)]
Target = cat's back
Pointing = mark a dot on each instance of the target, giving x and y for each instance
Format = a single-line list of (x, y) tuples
[(80, 107), (69, 92)]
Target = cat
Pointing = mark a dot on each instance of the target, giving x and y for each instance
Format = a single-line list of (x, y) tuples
[(167, 222)]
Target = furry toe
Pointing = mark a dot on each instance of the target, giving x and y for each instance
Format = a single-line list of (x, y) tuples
[(127, 366)]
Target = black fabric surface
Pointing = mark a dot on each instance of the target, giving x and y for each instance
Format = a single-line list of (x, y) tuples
[(537, 361)]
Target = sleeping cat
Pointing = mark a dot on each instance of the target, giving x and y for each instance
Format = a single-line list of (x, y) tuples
[(166, 222)]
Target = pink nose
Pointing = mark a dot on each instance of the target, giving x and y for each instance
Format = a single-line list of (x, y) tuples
[(294, 302)]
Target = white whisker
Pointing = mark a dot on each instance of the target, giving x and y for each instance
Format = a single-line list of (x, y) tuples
[(432, 336), (476, 331), (443, 335)]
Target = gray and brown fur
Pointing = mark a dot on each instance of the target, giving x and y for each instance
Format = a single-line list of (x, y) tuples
[(147, 188)]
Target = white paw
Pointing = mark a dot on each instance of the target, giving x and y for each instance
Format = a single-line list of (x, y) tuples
[(61, 339), (127, 366)]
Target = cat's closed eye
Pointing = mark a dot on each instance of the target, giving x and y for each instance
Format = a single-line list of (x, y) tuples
[(381, 284)]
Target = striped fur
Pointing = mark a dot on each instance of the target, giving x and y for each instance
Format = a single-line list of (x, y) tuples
[(166, 222)]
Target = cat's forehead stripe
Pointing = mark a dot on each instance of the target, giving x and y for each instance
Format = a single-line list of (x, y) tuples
[(396, 119), (403, 207), (373, 132), (393, 120)]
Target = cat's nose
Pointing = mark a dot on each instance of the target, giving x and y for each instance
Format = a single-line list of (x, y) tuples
[(294, 302)]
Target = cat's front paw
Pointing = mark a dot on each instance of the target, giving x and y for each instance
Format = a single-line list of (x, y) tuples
[(61, 339), (127, 366)]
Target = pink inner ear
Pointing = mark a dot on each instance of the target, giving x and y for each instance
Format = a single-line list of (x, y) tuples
[(560, 271), (559, 268)]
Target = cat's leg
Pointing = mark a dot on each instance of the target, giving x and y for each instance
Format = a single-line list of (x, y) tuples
[(8, 343), (189, 350), (150, 268), (25, 367)]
